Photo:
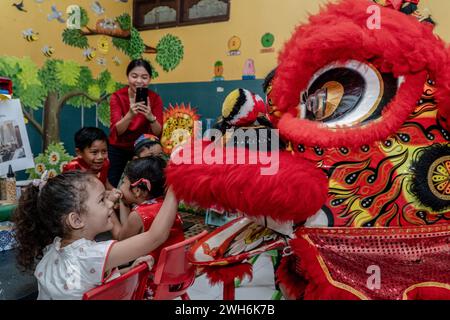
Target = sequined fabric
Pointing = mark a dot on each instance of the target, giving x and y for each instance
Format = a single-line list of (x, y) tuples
[(405, 258)]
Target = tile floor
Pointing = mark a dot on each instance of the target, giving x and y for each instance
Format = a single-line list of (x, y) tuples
[(261, 287)]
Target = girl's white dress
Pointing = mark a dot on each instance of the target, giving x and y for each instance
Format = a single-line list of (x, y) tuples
[(67, 273)]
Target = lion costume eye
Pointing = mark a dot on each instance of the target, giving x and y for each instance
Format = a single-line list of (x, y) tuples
[(347, 94)]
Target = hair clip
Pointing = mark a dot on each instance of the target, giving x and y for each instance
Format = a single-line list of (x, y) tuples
[(142, 182), (40, 183)]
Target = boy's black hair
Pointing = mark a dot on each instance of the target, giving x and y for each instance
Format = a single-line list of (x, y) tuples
[(150, 168), (86, 136)]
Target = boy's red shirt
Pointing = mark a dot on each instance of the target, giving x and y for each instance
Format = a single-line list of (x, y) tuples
[(79, 164)]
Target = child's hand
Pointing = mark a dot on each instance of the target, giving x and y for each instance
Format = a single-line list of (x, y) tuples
[(114, 196), (149, 260)]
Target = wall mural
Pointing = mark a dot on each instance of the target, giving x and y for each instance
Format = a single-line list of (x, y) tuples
[(169, 51), (54, 85)]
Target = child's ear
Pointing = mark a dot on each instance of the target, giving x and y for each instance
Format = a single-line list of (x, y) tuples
[(74, 221), (77, 151), (140, 194)]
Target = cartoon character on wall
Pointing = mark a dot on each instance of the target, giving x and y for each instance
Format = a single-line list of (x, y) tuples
[(249, 70), (179, 126), (367, 113), (218, 71), (48, 51), (30, 35), (267, 41), (234, 44)]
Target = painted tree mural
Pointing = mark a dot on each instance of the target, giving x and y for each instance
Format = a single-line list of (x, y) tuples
[(169, 51), (56, 84)]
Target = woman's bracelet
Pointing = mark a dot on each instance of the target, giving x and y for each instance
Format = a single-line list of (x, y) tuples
[(152, 120)]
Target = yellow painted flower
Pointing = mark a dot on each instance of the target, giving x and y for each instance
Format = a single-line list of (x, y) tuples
[(52, 173), (54, 158), (103, 45), (61, 166), (40, 168)]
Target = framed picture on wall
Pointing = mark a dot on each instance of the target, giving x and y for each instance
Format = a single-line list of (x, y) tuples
[(15, 147), (151, 14), (204, 11), (154, 14)]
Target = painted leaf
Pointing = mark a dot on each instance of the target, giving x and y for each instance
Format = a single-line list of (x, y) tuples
[(170, 52), (68, 72)]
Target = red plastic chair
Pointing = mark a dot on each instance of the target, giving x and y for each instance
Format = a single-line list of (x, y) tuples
[(174, 274), (129, 286)]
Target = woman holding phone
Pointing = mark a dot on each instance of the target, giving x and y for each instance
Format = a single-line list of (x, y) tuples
[(135, 110)]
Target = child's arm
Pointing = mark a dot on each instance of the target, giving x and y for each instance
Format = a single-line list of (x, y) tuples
[(132, 226), (127, 250), (108, 185), (124, 212)]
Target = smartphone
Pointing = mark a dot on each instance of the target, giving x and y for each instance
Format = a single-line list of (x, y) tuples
[(141, 95)]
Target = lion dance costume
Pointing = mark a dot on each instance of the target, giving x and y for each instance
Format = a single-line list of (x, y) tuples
[(366, 178)]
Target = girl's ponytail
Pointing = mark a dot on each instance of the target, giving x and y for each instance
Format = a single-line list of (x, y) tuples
[(28, 228)]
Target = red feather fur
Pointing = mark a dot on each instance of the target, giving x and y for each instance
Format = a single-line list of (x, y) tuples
[(297, 191), (226, 274)]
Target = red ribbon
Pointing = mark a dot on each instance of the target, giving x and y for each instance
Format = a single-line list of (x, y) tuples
[(143, 181)]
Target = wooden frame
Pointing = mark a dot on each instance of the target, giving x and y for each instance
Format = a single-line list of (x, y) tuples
[(177, 11)]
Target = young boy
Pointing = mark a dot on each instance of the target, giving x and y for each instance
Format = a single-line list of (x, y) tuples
[(148, 145), (91, 148)]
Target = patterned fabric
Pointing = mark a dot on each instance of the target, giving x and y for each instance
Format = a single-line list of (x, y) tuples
[(67, 273), (375, 263)]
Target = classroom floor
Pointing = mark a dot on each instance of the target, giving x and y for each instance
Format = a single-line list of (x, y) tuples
[(261, 287)]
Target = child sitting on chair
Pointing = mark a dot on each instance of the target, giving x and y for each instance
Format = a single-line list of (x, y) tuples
[(143, 190), (142, 194), (56, 223), (91, 147)]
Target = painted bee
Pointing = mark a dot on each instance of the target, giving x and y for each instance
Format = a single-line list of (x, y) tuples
[(48, 51), (30, 35), (117, 61), (89, 54)]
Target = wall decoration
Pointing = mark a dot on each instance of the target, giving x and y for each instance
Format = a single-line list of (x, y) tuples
[(54, 85), (160, 14), (116, 60), (103, 45), (101, 62), (97, 8), (267, 41), (249, 70), (56, 15), (89, 54), (15, 147), (234, 44), (179, 126), (218, 71), (48, 51), (52, 160), (208, 8), (30, 35), (20, 6), (170, 52)]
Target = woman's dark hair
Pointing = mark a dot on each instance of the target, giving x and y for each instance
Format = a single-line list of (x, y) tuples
[(40, 215), (140, 63), (150, 168), (86, 136)]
